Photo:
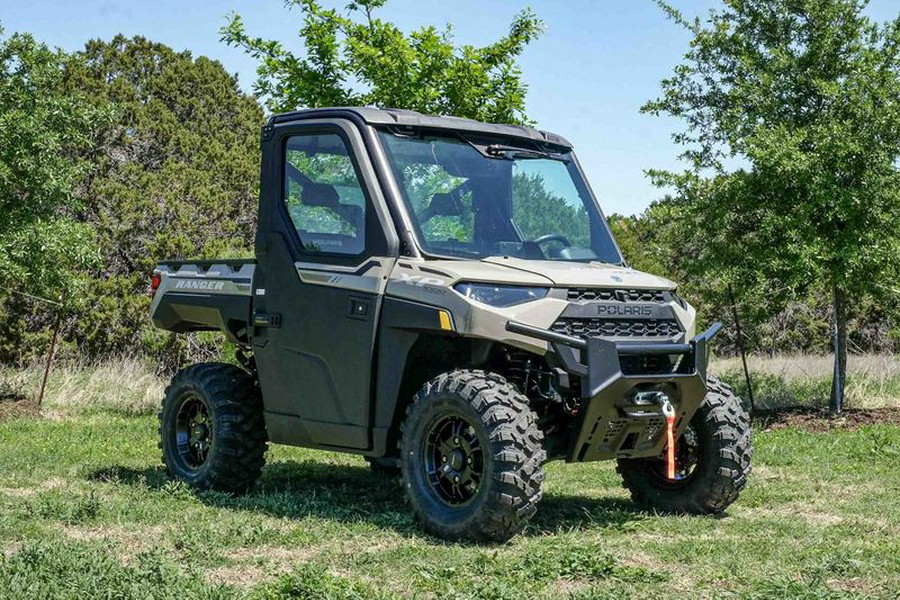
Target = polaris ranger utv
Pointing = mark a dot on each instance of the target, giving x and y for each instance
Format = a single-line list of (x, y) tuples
[(445, 298)]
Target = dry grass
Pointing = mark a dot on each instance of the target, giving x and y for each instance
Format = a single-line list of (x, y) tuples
[(124, 386), (873, 381), (128, 386), (869, 366)]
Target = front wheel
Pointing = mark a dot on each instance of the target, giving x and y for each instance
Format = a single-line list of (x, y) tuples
[(471, 457), (712, 460)]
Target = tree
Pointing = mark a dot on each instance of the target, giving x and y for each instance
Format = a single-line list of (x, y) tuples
[(364, 62), (43, 249), (803, 96), (175, 176)]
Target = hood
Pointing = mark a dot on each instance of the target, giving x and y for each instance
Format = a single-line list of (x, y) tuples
[(551, 272)]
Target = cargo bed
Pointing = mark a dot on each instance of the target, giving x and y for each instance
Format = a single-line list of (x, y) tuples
[(204, 296)]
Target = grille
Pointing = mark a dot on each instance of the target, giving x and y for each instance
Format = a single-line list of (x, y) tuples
[(617, 328), (651, 364), (620, 295), (613, 430), (654, 428)]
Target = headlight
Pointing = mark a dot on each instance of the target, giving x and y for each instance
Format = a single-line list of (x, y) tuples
[(500, 295)]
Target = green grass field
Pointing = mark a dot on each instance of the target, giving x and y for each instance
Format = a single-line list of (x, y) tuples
[(86, 511)]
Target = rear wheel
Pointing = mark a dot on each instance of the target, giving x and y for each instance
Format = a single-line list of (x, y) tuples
[(471, 457), (712, 460), (212, 432)]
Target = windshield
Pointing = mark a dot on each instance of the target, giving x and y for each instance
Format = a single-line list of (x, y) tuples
[(476, 199)]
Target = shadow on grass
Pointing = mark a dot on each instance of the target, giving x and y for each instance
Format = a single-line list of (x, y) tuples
[(297, 490)]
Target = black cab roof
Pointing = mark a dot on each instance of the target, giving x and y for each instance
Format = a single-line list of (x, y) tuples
[(410, 118)]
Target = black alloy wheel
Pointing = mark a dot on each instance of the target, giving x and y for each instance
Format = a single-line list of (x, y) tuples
[(471, 457), (193, 431), (211, 428), (454, 460)]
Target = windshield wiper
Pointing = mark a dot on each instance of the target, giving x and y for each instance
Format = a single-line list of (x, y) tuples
[(506, 152), (513, 152)]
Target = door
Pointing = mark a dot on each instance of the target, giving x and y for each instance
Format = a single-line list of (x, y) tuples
[(324, 248)]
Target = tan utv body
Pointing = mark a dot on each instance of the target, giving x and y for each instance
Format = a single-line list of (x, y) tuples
[(445, 298)]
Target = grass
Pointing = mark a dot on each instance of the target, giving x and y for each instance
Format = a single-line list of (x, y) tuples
[(87, 511), (785, 381), (123, 386)]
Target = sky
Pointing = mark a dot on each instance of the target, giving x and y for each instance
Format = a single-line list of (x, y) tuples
[(597, 62)]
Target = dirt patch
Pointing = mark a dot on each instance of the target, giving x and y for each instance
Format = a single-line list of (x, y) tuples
[(128, 542), (856, 585), (14, 405), (251, 566), (18, 492), (569, 587), (254, 565), (243, 575), (822, 421), (818, 518), (10, 548), (643, 560), (52, 483), (276, 555)]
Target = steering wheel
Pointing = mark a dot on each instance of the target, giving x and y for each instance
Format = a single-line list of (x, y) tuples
[(552, 237)]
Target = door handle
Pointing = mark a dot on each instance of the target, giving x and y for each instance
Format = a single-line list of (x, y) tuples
[(359, 308), (262, 319)]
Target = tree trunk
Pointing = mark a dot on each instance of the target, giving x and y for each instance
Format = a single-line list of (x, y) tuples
[(840, 350), (740, 344)]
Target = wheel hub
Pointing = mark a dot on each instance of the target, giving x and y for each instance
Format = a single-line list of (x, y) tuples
[(453, 460), (193, 431), (199, 432)]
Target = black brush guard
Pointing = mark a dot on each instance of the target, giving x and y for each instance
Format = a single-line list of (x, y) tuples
[(616, 421)]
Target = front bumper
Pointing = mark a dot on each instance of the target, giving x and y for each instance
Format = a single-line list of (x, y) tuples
[(612, 424)]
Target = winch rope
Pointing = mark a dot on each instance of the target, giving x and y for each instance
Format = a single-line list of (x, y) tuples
[(669, 412)]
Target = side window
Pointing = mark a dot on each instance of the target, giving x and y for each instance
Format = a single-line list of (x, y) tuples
[(323, 195)]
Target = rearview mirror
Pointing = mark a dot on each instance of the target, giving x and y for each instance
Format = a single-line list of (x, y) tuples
[(445, 205)]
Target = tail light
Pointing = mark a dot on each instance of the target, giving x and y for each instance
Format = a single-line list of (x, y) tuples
[(154, 284)]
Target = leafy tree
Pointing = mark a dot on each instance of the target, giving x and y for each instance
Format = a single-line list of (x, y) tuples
[(175, 176), (43, 249), (421, 182), (639, 240), (368, 61), (803, 93)]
